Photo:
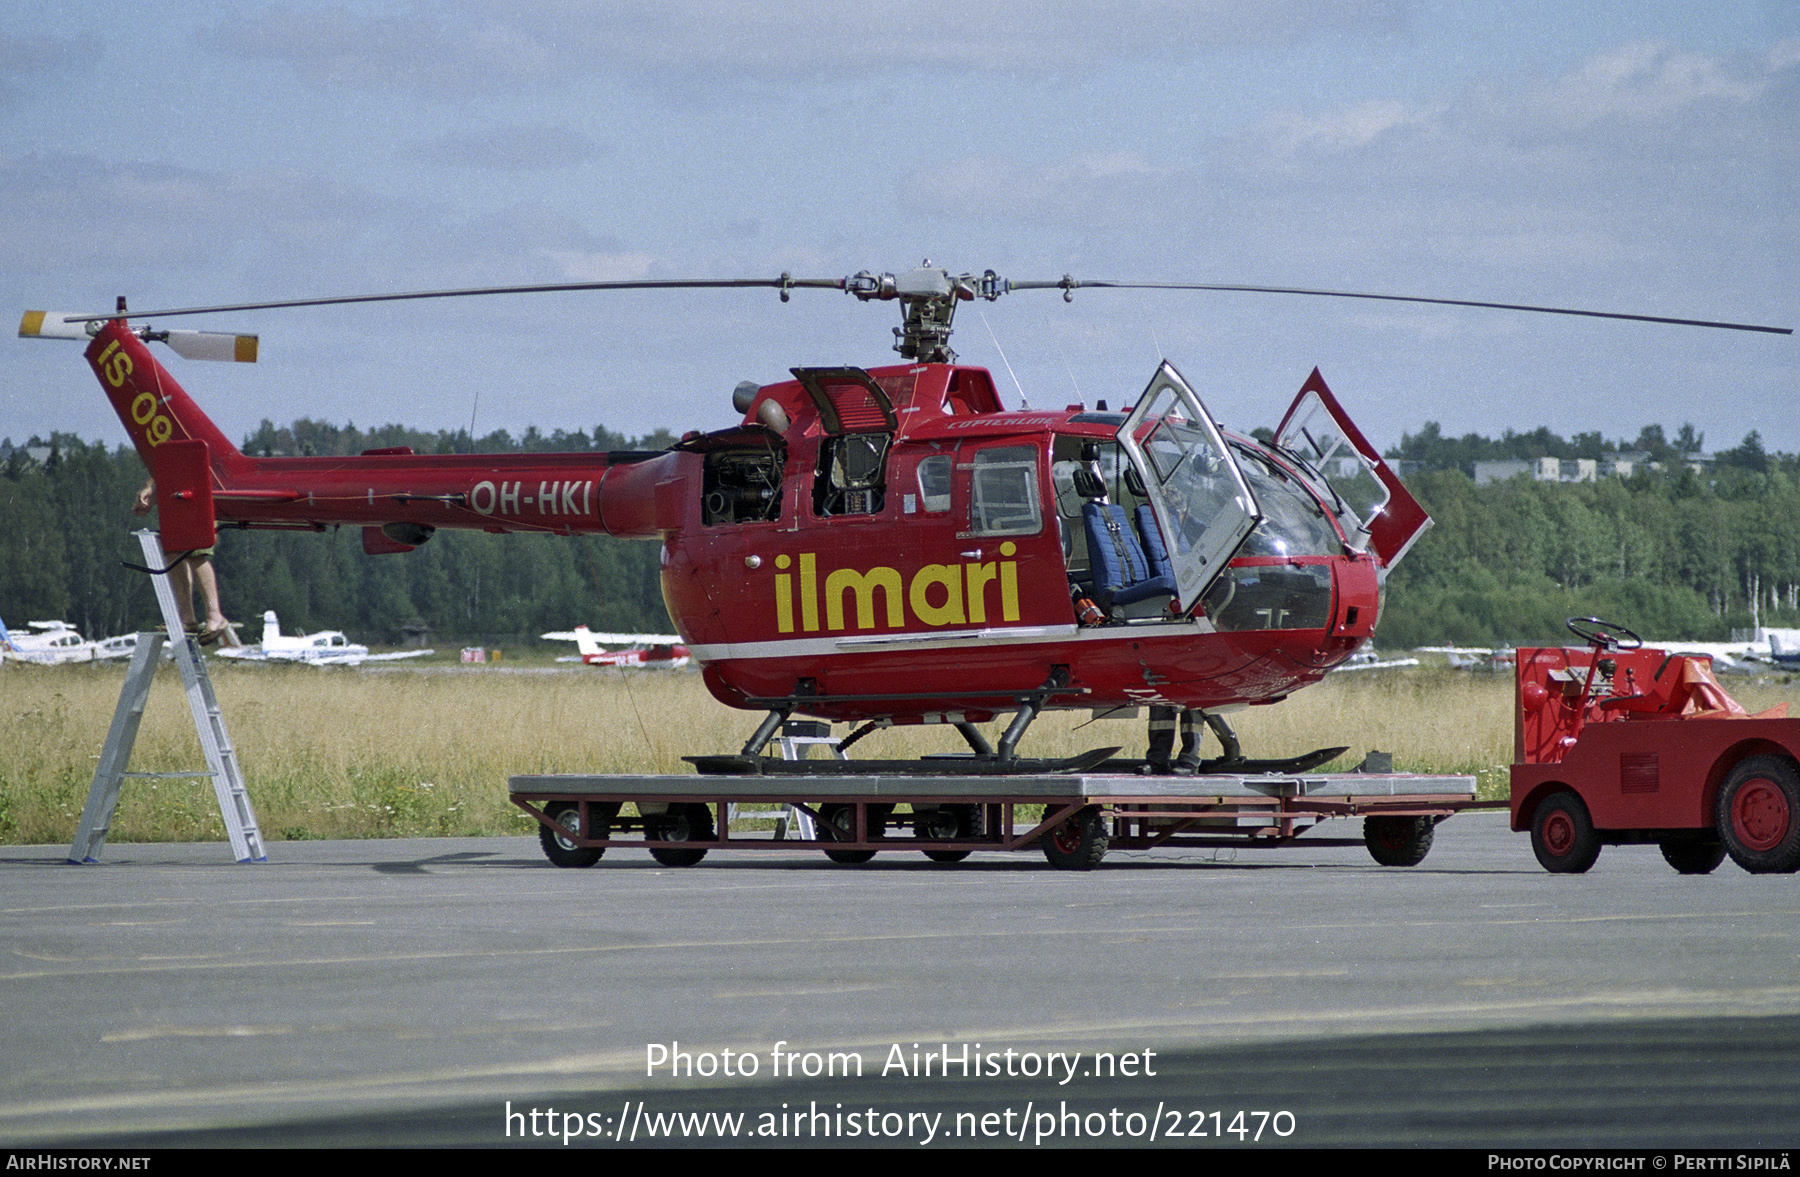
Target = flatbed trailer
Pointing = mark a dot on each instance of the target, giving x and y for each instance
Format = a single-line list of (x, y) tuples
[(851, 818)]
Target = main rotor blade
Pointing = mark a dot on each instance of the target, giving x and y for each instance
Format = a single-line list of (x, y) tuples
[(787, 282), (782, 283), (1070, 284)]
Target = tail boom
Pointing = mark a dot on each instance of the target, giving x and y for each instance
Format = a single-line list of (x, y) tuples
[(405, 494)]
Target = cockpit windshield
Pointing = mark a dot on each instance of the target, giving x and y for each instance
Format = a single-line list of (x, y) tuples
[(1294, 524)]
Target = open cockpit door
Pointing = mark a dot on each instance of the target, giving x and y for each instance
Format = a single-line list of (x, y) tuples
[(1377, 513), (1193, 485)]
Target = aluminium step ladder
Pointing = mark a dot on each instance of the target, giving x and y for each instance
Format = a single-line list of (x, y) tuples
[(209, 722), (796, 740)]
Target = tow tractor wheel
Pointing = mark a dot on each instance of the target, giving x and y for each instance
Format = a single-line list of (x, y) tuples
[(1079, 843), (1759, 816), (1562, 835), (845, 816), (1693, 855), (686, 821), (558, 847), (948, 821), (1398, 841)]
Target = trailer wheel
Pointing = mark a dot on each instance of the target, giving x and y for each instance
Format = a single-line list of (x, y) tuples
[(1398, 841), (558, 848), (1079, 843), (1562, 835), (689, 821), (1757, 811), (835, 815), (948, 821), (1693, 855)]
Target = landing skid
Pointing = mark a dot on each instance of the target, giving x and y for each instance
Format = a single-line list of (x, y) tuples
[(1221, 766), (741, 765)]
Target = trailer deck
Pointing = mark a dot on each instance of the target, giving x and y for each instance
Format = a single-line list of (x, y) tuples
[(851, 818)]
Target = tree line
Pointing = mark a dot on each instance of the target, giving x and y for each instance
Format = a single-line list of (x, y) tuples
[(1683, 550), (66, 524), (1687, 548)]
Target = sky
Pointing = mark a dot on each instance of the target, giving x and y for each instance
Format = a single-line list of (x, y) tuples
[(1641, 157)]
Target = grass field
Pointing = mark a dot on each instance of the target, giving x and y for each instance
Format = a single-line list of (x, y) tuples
[(342, 753)]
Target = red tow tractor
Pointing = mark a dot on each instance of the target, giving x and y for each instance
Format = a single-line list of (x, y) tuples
[(1616, 743)]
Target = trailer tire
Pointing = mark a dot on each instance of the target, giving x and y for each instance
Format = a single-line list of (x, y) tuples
[(1562, 835), (1079, 843), (688, 821), (964, 822), (1398, 841), (835, 814), (1759, 815), (1693, 855), (560, 850)]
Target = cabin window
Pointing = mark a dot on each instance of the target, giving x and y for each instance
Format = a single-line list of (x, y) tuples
[(1004, 493), (934, 482)]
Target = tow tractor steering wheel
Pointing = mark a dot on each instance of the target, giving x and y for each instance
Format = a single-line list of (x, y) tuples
[(1604, 635)]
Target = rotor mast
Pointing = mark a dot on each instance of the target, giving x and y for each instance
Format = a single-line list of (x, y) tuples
[(928, 298)]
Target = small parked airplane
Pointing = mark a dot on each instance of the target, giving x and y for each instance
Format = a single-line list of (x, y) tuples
[(1473, 657), (1727, 657), (1367, 659), (51, 643), (328, 647), (662, 651)]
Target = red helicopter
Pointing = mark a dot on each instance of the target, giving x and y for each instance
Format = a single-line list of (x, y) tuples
[(888, 545)]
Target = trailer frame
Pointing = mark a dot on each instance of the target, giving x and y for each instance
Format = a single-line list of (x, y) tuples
[(679, 819)]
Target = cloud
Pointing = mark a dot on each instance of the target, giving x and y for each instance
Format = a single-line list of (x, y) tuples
[(1108, 184), (32, 57), (409, 52), (1644, 82), (37, 54), (519, 147), (494, 47), (859, 38), (130, 218), (1290, 134), (1640, 169)]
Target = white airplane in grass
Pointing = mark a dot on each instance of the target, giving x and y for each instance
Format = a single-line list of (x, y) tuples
[(1368, 659), (1472, 657), (662, 651), (1727, 657), (328, 647), (49, 643)]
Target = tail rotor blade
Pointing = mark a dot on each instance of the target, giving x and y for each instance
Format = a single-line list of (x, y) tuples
[(52, 325), (191, 345), (212, 345)]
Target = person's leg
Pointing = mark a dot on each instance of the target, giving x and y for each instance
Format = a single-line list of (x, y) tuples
[(181, 579), (208, 582)]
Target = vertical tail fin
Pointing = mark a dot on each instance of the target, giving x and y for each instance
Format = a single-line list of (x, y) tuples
[(187, 454), (153, 407)]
